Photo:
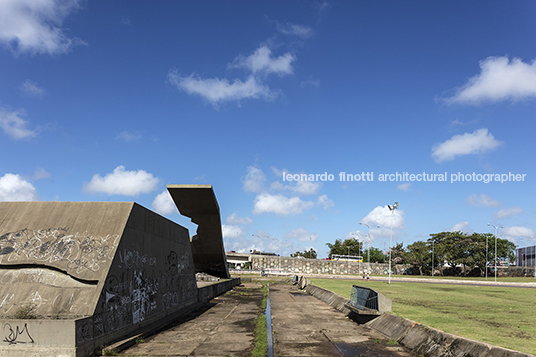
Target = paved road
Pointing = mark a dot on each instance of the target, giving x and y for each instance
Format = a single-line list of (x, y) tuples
[(302, 326)]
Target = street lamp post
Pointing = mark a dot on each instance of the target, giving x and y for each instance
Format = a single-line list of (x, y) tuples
[(392, 209), (496, 227), (358, 250), (432, 258), (263, 261), (348, 261), (368, 255)]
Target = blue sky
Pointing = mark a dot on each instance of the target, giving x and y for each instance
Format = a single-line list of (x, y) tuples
[(113, 100)]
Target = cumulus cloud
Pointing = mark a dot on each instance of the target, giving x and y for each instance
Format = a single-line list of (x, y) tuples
[(31, 89), (163, 203), (301, 235), (29, 26), (218, 90), (515, 232), (480, 141), (460, 226), (404, 187), (254, 180), (507, 213), (482, 200), (231, 231), (14, 188), (262, 61), (499, 79), (122, 182), (14, 126), (280, 204), (236, 219), (382, 216), (40, 173)]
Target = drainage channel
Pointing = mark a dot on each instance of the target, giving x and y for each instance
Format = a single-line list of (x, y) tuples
[(268, 313)]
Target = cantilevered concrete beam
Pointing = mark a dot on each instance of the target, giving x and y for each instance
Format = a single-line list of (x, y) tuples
[(199, 203)]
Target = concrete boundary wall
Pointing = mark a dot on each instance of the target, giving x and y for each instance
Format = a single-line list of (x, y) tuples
[(421, 339)]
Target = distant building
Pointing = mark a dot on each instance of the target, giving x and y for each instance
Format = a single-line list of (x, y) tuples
[(526, 257)]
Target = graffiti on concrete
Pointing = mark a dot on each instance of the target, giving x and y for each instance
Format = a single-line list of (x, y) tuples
[(142, 289), (80, 251), (17, 335)]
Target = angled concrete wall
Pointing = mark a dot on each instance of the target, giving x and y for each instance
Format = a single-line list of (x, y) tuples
[(108, 267), (199, 203)]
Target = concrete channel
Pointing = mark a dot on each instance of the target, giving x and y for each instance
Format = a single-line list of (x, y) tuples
[(301, 325)]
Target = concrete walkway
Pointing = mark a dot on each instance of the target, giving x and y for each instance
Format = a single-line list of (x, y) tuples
[(306, 326), (222, 328), (302, 326)]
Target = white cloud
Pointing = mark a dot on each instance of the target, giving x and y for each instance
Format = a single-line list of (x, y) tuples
[(254, 180), (236, 219), (280, 204), (301, 235), (14, 188), (460, 226), (482, 200), (14, 126), (30, 26), (127, 136), (480, 141), (31, 89), (217, 90), (404, 187), (382, 217), (40, 173), (508, 213), (515, 232), (305, 188), (121, 182), (499, 79), (163, 203), (231, 231), (262, 61), (295, 30), (325, 201)]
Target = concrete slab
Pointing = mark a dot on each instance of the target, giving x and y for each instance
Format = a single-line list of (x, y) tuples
[(199, 203), (320, 330), (224, 329)]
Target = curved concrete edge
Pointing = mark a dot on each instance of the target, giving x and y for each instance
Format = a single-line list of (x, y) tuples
[(429, 341), (421, 339)]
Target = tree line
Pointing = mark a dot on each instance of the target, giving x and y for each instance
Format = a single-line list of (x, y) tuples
[(447, 252)]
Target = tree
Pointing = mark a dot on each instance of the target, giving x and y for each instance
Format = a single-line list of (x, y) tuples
[(341, 248), (469, 250), (311, 253), (376, 255), (398, 254), (418, 256)]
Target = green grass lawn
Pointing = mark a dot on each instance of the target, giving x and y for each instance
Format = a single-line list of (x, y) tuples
[(500, 316)]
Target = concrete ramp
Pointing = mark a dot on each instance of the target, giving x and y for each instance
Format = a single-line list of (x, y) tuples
[(199, 203), (96, 270)]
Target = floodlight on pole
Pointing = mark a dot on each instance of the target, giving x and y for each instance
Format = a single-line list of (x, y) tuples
[(392, 209), (368, 255), (496, 227), (263, 261)]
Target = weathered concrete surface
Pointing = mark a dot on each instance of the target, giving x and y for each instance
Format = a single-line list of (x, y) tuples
[(199, 203), (306, 326), (421, 339), (429, 341), (223, 327), (110, 267)]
